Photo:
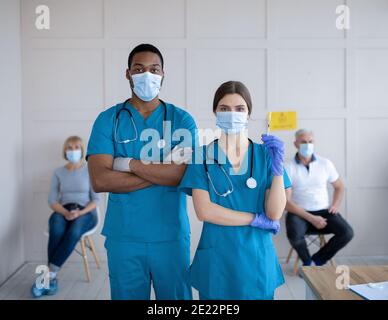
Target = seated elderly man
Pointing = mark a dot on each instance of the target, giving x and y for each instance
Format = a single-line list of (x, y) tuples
[(308, 205)]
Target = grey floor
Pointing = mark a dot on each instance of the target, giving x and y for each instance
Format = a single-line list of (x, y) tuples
[(72, 284)]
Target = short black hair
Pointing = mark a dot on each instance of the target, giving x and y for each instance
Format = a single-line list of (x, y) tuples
[(144, 47)]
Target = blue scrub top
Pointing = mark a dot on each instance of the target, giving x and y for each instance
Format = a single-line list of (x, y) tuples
[(156, 213), (234, 262)]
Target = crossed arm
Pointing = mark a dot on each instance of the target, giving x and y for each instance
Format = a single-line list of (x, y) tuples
[(275, 201), (105, 179), (211, 212)]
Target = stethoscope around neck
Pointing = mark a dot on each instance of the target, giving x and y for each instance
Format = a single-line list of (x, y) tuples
[(160, 144), (251, 182)]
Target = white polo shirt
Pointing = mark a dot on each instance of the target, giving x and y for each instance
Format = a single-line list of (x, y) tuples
[(309, 184)]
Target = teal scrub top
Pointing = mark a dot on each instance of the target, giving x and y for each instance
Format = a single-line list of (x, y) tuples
[(234, 262), (156, 213)]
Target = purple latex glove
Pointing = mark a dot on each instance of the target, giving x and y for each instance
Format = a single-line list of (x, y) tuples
[(275, 148), (263, 222)]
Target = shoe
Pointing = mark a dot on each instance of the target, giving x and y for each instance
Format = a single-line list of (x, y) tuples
[(37, 292), (318, 264), (53, 287)]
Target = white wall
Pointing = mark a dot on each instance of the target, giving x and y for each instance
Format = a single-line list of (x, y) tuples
[(11, 188), (288, 52)]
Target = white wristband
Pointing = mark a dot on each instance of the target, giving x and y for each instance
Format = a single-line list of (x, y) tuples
[(122, 164), (129, 160)]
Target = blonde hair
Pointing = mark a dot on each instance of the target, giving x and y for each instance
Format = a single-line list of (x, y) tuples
[(74, 139)]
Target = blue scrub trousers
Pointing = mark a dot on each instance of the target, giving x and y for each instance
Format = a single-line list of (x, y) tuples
[(134, 265), (202, 297)]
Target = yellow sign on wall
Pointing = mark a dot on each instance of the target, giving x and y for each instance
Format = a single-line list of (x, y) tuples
[(281, 120)]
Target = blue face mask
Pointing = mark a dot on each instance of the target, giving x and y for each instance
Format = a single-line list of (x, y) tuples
[(306, 150), (74, 155), (146, 85), (231, 121)]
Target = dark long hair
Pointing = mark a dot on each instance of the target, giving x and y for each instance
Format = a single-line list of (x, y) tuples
[(232, 87)]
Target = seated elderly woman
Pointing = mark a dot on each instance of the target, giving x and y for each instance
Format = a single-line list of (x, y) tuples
[(74, 203)]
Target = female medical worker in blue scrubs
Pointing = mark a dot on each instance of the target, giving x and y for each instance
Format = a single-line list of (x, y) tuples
[(238, 190)]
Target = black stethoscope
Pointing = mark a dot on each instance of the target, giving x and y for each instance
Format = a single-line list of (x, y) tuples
[(251, 182), (161, 143)]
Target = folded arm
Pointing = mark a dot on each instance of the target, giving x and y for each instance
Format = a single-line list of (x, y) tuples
[(157, 173), (105, 179), (216, 214), (275, 199)]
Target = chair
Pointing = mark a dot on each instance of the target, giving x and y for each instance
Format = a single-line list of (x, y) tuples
[(86, 241), (316, 237)]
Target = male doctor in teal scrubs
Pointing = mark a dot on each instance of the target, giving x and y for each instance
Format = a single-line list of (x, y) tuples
[(146, 225)]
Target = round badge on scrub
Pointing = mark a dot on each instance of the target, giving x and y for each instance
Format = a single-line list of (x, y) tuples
[(251, 183)]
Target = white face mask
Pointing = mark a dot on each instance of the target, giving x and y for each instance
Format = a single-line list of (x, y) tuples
[(146, 85), (231, 121), (306, 150), (74, 155)]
